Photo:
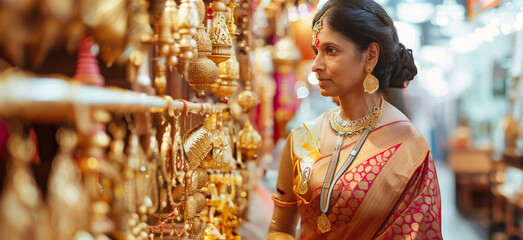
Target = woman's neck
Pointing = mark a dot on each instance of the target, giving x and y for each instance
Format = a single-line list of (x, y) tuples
[(354, 106)]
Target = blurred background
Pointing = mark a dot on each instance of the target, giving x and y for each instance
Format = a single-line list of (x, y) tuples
[(467, 100)]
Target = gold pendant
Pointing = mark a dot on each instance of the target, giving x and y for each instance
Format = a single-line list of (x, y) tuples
[(324, 224)]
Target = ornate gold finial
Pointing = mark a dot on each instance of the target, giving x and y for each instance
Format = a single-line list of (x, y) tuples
[(250, 140), (227, 83), (165, 28), (188, 18), (219, 34), (231, 24)]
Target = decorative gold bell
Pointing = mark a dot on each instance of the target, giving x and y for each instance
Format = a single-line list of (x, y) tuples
[(250, 140)]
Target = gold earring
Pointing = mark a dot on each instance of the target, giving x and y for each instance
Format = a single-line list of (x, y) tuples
[(371, 83)]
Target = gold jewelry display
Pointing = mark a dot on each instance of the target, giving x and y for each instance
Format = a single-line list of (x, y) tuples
[(371, 83), (355, 127)]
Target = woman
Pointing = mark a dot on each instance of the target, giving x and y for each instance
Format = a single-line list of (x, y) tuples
[(360, 171)]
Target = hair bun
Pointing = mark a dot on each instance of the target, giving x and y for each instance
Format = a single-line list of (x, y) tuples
[(404, 69)]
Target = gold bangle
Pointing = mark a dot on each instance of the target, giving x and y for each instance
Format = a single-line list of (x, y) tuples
[(281, 203)]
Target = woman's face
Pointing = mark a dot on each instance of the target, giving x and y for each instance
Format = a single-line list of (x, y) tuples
[(339, 65)]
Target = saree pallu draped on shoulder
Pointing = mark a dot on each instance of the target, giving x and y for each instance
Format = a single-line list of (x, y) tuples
[(391, 190)]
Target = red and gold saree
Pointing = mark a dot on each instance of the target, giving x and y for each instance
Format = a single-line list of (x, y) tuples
[(390, 192)]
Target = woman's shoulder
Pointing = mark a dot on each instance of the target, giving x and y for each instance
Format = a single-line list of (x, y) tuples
[(395, 124)]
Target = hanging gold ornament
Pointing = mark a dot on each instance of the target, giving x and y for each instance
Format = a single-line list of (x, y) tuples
[(247, 98), (23, 214), (167, 48), (66, 197), (198, 145), (202, 72), (219, 34), (187, 21), (250, 140), (227, 83)]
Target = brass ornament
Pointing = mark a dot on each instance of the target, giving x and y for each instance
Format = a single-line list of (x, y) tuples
[(222, 152), (370, 84), (160, 80), (230, 24), (23, 213), (250, 140), (195, 225), (167, 49), (165, 29), (202, 72), (201, 201), (66, 196), (211, 232), (189, 208), (198, 145), (188, 21), (219, 34), (248, 99), (200, 176), (227, 82)]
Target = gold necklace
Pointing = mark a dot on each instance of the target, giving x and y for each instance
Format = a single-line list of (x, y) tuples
[(353, 128)]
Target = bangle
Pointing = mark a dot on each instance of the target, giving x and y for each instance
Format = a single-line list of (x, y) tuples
[(281, 203)]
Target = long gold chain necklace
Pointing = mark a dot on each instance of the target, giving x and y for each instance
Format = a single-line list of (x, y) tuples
[(363, 127)]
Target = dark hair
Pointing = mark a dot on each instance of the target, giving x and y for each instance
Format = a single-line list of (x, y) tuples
[(364, 22)]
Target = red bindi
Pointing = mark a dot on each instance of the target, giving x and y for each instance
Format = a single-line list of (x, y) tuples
[(317, 42)]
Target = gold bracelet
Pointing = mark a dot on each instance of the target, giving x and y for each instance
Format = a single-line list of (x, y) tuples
[(281, 203)]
